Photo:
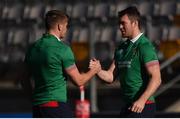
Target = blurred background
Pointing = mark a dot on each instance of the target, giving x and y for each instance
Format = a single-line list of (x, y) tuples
[(93, 32)]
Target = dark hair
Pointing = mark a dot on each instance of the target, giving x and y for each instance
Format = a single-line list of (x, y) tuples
[(133, 14), (53, 17)]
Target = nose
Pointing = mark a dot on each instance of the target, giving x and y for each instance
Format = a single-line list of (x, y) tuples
[(120, 26)]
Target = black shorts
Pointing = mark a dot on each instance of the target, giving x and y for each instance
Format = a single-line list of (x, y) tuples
[(148, 112), (62, 111)]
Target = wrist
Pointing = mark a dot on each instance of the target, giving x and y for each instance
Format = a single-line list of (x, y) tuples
[(99, 71), (143, 99)]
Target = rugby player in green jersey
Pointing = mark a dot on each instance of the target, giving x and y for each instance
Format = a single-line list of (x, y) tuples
[(48, 61), (136, 66)]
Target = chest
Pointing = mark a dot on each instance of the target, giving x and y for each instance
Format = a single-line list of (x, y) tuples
[(127, 57)]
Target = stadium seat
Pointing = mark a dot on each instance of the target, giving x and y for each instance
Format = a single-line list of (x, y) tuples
[(75, 34), (79, 10), (1, 10), (178, 8), (3, 37), (18, 37), (69, 8), (38, 32), (84, 35), (112, 10), (108, 34), (174, 33), (34, 13), (121, 5), (118, 35), (101, 10), (59, 6), (16, 55), (15, 12), (146, 8), (97, 33), (69, 35), (47, 8), (103, 52), (167, 8), (4, 57), (154, 32), (90, 12), (4, 12)]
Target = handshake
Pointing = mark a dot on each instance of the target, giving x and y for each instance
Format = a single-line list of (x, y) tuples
[(94, 65)]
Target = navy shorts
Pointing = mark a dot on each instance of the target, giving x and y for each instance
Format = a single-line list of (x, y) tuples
[(148, 112), (62, 111)]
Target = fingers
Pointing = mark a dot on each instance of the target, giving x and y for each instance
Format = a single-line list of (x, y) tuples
[(94, 64), (137, 108), (94, 59)]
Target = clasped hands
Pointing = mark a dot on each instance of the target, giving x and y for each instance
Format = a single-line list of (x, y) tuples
[(95, 65)]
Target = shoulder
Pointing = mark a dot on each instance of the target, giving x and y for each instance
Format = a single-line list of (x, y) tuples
[(61, 49), (144, 42), (64, 46)]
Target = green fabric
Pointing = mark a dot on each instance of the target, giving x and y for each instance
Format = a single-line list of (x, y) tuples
[(130, 59), (47, 59)]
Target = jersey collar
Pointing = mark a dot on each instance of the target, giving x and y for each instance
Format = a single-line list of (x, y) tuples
[(57, 38), (136, 38)]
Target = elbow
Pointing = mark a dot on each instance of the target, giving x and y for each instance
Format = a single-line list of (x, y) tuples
[(160, 81), (110, 80), (79, 84), (78, 80)]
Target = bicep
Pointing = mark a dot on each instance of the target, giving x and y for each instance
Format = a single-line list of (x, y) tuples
[(73, 72), (68, 60), (112, 67), (153, 68)]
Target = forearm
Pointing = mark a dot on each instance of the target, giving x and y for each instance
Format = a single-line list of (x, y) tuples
[(85, 77), (154, 82), (106, 76), (81, 78), (151, 88)]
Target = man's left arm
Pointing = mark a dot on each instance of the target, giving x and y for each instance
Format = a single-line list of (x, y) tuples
[(153, 69)]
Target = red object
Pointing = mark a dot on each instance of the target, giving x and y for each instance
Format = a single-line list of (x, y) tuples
[(149, 102), (82, 109), (50, 104), (82, 106)]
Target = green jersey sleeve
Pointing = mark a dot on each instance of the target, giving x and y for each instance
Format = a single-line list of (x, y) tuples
[(68, 58), (148, 53)]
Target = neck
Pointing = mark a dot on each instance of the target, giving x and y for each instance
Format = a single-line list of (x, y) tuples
[(135, 33), (52, 32)]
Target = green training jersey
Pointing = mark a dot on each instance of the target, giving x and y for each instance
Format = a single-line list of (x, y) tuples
[(130, 59), (47, 59)]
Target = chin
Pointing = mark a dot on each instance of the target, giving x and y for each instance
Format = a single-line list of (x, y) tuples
[(124, 36)]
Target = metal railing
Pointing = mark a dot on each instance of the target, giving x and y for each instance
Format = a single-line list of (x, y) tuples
[(165, 64)]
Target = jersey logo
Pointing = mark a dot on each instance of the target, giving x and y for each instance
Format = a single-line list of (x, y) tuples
[(124, 64), (120, 51)]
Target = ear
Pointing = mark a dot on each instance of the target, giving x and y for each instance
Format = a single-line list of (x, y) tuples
[(136, 23), (59, 27)]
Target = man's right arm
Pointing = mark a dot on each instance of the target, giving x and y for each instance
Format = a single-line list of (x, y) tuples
[(81, 78), (107, 75)]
